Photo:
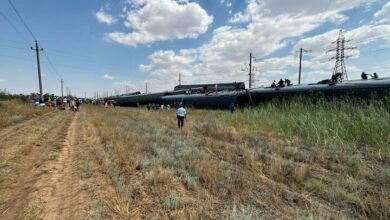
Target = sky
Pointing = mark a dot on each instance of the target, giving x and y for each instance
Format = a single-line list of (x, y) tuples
[(112, 47)]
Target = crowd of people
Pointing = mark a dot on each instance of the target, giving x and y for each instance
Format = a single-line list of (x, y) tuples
[(281, 83), (50, 100), (365, 75), (155, 106), (73, 103)]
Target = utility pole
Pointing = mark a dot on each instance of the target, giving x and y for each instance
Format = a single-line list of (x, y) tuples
[(179, 78), (146, 88), (37, 49), (250, 70), (301, 51), (62, 89)]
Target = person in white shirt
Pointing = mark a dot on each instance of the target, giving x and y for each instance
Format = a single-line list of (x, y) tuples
[(180, 114)]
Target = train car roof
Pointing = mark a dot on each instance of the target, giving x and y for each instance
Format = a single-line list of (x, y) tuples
[(381, 82)]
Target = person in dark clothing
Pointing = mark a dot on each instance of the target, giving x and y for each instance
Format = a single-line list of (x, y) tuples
[(232, 107), (77, 104), (334, 78), (273, 85), (364, 75), (180, 115), (281, 83), (375, 76), (339, 77), (288, 82)]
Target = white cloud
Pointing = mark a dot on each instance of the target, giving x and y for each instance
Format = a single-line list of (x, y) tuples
[(226, 3), (125, 86), (383, 15), (168, 63), (108, 77), (105, 18), (159, 20), (359, 36), (325, 9), (270, 27)]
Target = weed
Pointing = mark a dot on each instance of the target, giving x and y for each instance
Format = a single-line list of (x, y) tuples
[(276, 170), (300, 172), (173, 202), (242, 212)]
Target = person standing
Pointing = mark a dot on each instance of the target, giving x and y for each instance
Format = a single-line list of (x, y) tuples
[(364, 76), (77, 104), (232, 107), (181, 114), (273, 85)]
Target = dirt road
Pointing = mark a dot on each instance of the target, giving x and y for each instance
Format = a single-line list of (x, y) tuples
[(39, 175)]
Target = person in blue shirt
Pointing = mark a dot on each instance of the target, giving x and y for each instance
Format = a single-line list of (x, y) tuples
[(180, 115)]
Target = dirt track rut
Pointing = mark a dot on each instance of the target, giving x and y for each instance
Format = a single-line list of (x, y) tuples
[(60, 190), (39, 167)]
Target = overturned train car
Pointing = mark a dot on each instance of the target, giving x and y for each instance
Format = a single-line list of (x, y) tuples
[(353, 88), (199, 97)]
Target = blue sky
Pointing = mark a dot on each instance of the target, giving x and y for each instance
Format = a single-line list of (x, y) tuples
[(113, 46)]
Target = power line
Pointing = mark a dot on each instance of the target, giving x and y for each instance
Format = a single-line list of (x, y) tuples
[(36, 47), (15, 29), (369, 39), (20, 17), (15, 57), (9, 46), (51, 64), (85, 59)]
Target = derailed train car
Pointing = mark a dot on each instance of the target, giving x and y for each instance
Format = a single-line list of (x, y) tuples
[(198, 97), (213, 87), (353, 88), (155, 98), (141, 99), (220, 100)]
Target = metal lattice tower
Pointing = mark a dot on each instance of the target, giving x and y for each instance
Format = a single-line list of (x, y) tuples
[(339, 66)]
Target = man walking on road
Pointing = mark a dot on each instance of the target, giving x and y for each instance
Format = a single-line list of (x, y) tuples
[(180, 114)]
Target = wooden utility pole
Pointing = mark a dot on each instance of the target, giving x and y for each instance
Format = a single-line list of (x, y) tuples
[(250, 70), (62, 89), (300, 66), (37, 49), (301, 51), (146, 88), (179, 78)]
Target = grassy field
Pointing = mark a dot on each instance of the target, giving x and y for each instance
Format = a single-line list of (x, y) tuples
[(281, 160), (16, 110)]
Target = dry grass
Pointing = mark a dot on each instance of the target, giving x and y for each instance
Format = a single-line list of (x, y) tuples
[(300, 172), (212, 170), (14, 111)]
